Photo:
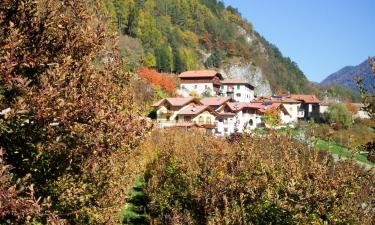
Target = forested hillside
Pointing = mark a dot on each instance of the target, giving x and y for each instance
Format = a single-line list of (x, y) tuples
[(180, 35), (347, 77)]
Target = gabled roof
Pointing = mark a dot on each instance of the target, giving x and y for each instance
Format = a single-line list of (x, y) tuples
[(305, 98), (195, 110), (200, 74), (215, 101), (178, 101), (238, 106), (236, 81), (276, 99), (275, 105)]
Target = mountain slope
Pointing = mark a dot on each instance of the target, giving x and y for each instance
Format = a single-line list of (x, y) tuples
[(347, 75), (180, 35)]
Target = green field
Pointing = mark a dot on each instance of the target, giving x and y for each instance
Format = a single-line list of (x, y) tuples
[(341, 151)]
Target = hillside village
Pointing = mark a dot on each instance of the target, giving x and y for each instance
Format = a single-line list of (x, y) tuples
[(230, 105)]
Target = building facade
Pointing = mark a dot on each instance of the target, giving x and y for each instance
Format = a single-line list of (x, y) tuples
[(200, 82), (239, 90)]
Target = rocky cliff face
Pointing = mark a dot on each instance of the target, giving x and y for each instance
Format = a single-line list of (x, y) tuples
[(249, 73), (245, 70)]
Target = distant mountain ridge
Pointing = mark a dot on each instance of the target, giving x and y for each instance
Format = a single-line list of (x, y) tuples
[(347, 75)]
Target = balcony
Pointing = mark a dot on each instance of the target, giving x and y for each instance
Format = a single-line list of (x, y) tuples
[(168, 113), (207, 124)]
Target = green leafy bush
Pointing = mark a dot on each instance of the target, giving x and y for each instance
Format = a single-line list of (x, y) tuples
[(339, 116), (135, 210)]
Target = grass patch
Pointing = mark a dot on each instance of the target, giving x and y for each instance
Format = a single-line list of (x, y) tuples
[(341, 151)]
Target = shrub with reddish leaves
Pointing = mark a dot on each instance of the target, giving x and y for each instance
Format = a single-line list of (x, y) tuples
[(167, 82)]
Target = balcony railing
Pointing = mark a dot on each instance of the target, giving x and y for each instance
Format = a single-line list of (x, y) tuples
[(179, 123)]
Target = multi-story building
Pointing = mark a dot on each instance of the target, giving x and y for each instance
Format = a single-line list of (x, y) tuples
[(200, 82), (293, 107), (211, 83), (167, 110), (239, 90), (310, 104)]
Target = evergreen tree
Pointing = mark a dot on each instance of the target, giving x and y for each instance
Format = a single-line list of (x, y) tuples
[(135, 210), (164, 58), (215, 59)]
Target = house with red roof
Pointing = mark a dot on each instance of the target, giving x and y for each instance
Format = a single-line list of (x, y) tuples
[(285, 115), (200, 82), (185, 112), (293, 107), (310, 104), (237, 117), (216, 102), (167, 109), (212, 83)]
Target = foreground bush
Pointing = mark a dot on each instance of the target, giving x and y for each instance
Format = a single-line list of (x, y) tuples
[(68, 118), (194, 179)]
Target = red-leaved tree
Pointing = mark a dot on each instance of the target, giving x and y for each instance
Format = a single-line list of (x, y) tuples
[(168, 83)]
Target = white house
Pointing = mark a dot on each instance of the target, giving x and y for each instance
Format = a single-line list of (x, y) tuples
[(293, 107), (237, 117), (310, 104), (211, 83), (201, 82), (167, 110), (239, 90), (361, 113)]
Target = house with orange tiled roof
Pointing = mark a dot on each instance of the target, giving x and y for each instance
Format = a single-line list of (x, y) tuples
[(292, 106), (167, 109), (285, 115), (201, 115), (216, 102), (212, 83), (237, 117), (310, 104), (201, 82)]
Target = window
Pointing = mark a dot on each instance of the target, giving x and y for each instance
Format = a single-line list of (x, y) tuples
[(226, 130), (187, 118), (251, 122), (195, 86), (208, 120), (222, 86), (201, 120), (238, 94), (238, 87), (183, 86), (206, 86)]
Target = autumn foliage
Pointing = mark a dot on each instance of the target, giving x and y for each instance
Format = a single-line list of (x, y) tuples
[(352, 108), (272, 117), (196, 179), (70, 121), (168, 83)]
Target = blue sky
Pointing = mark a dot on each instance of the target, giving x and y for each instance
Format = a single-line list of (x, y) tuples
[(321, 36)]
